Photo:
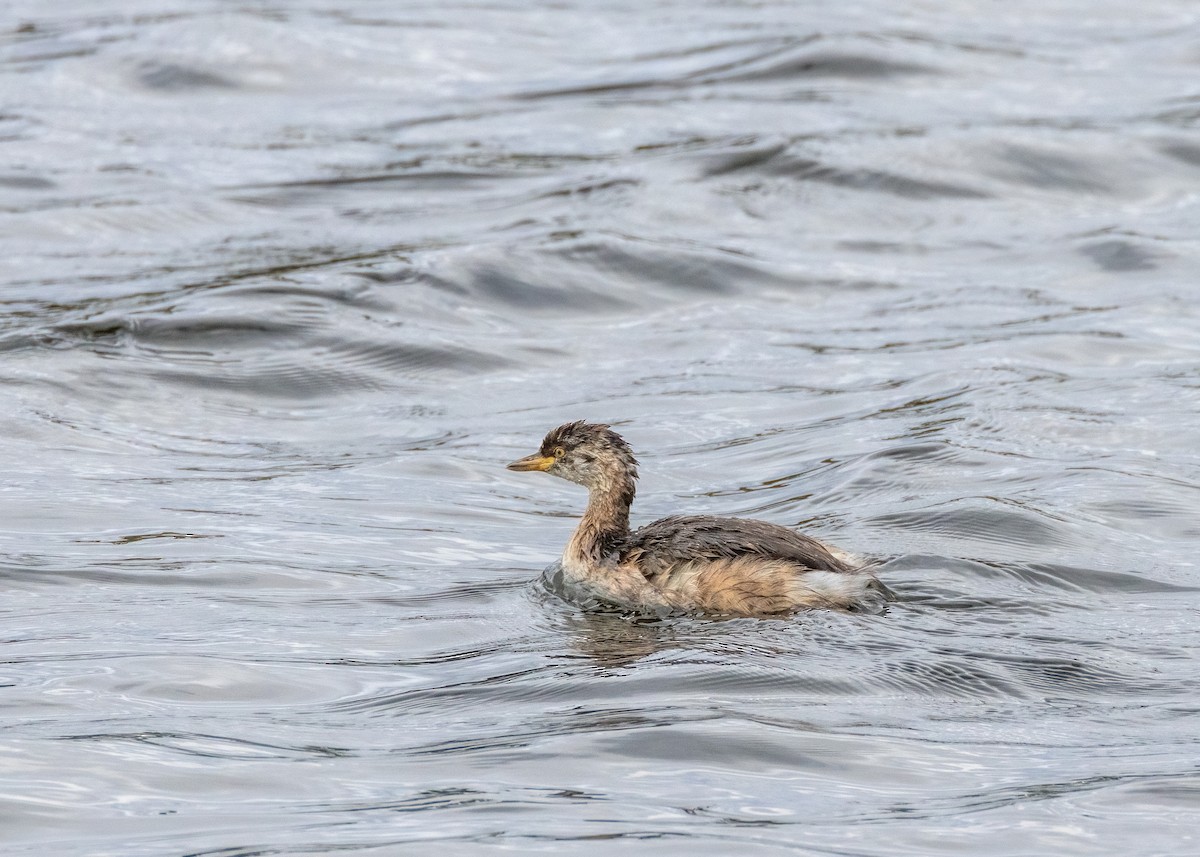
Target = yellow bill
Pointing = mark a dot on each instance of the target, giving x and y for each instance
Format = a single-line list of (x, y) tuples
[(537, 461)]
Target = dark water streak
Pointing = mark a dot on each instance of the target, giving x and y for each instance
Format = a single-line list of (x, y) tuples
[(285, 286)]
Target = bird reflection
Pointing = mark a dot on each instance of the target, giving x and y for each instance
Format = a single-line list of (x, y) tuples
[(613, 641)]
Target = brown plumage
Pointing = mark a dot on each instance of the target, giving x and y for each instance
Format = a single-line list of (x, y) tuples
[(700, 563)]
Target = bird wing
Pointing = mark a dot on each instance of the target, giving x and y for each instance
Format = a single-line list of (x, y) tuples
[(668, 543)]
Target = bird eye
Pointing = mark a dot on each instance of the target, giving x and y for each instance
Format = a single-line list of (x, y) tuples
[(559, 452)]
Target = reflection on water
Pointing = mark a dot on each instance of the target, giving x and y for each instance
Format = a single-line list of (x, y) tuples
[(286, 287)]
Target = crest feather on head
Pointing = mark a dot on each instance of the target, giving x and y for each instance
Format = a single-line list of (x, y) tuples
[(571, 436)]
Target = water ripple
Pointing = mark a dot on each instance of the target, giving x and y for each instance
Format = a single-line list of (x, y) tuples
[(286, 287)]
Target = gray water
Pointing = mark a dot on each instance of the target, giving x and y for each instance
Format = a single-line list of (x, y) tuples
[(285, 285)]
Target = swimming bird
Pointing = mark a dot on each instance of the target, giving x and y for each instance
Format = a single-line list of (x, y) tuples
[(694, 563)]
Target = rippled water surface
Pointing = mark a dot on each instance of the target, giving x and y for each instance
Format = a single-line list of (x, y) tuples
[(286, 284)]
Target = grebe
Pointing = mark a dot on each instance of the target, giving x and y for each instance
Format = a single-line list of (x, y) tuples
[(697, 564)]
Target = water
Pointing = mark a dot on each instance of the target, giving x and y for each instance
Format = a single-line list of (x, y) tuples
[(287, 284)]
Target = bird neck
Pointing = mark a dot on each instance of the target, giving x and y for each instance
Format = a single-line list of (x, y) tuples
[(605, 522)]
